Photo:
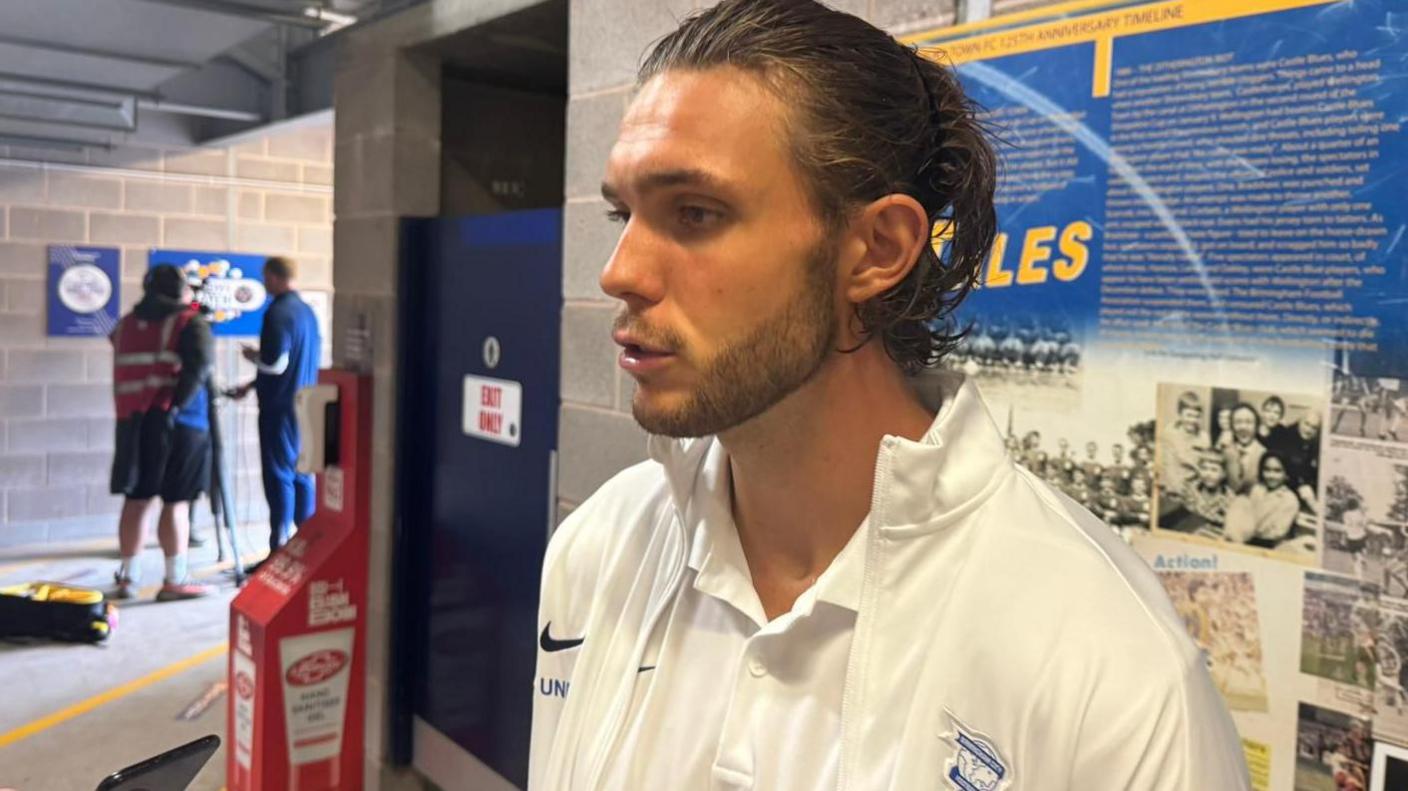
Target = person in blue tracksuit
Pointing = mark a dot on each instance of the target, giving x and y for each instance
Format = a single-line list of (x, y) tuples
[(287, 360)]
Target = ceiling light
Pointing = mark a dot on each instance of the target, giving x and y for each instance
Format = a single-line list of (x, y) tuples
[(334, 20)]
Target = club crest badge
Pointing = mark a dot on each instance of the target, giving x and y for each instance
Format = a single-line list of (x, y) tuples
[(976, 764)]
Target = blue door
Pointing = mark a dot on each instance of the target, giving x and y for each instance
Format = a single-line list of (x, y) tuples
[(481, 304)]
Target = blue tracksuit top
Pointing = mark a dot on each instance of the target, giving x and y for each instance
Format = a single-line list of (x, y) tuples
[(290, 327)]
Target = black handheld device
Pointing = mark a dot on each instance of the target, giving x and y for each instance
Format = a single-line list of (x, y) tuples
[(173, 770)]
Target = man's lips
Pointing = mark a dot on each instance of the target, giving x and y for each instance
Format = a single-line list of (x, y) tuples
[(639, 356)]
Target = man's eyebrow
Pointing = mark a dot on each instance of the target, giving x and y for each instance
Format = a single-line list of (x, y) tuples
[(684, 177)]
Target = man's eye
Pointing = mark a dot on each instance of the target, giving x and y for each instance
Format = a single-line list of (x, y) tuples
[(618, 216), (698, 216)]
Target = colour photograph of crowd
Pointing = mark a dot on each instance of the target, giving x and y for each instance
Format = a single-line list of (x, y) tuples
[(1219, 610), (1114, 483), (1239, 466), (1339, 630), (1369, 407)]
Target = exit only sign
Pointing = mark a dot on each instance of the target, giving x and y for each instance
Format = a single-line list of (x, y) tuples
[(493, 409)]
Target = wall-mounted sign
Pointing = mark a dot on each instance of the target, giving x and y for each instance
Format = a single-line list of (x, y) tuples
[(83, 290), (493, 410), (231, 286)]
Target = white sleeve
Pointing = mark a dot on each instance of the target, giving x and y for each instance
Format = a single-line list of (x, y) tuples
[(277, 367), (1174, 734), (562, 607)]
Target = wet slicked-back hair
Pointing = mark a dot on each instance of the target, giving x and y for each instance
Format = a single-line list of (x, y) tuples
[(868, 117)]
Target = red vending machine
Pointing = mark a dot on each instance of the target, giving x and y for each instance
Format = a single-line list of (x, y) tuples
[(297, 630)]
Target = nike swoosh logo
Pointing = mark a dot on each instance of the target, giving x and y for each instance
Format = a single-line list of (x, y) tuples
[(645, 668), (548, 644)]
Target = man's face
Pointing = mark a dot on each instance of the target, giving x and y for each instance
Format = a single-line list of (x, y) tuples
[(1243, 424), (1117, 452), (1091, 449), (727, 277), (1271, 412), (274, 284), (1309, 426)]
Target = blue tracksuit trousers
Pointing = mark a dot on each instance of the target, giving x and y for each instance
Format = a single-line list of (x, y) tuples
[(291, 496)]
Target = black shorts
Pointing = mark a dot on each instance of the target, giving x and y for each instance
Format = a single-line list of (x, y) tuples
[(152, 459), (1355, 545)]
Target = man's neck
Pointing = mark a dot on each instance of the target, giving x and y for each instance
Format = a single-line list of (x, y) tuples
[(803, 472)]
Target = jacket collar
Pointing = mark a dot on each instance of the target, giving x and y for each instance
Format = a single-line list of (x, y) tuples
[(951, 469), (921, 485)]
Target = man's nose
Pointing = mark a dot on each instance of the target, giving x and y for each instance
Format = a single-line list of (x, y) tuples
[(633, 274)]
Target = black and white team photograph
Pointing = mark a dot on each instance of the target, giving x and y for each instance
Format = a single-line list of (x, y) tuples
[(1044, 351), (1113, 479)]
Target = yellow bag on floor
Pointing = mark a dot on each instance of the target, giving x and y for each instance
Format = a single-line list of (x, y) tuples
[(56, 611)]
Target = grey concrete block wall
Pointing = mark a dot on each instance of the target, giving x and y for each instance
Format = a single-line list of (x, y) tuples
[(387, 159), (608, 38), (56, 426), (588, 354)]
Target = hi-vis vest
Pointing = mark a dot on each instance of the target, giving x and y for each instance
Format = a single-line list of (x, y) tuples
[(145, 362)]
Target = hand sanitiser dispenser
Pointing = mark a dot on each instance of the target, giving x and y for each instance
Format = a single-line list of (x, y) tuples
[(316, 408)]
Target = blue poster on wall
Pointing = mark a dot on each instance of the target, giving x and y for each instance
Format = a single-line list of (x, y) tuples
[(1193, 178), (83, 290), (229, 285), (1197, 299)]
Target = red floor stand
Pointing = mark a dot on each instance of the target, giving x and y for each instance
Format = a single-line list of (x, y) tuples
[(297, 630)]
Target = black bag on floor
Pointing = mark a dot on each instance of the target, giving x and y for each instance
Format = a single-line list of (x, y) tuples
[(55, 611)]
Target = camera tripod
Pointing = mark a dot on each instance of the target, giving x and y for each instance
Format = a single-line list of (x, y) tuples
[(221, 507)]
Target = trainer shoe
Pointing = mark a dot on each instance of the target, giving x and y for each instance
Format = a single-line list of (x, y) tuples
[(126, 589), (181, 591)]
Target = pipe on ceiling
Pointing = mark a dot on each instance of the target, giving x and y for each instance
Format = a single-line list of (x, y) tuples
[(201, 111), (247, 11)]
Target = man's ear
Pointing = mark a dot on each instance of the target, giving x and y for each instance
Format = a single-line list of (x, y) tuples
[(888, 234)]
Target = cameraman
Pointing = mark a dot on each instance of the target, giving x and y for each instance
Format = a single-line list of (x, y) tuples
[(287, 359), (162, 356)]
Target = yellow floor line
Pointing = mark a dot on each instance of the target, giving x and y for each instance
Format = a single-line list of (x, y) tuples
[(85, 706), (224, 566), (13, 567)]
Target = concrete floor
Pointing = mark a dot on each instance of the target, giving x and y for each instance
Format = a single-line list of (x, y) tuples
[(41, 679)]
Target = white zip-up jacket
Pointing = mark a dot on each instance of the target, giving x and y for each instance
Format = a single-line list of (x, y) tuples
[(1005, 638)]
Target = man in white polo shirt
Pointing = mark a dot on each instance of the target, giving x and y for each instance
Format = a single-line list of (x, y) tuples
[(841, 582)]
